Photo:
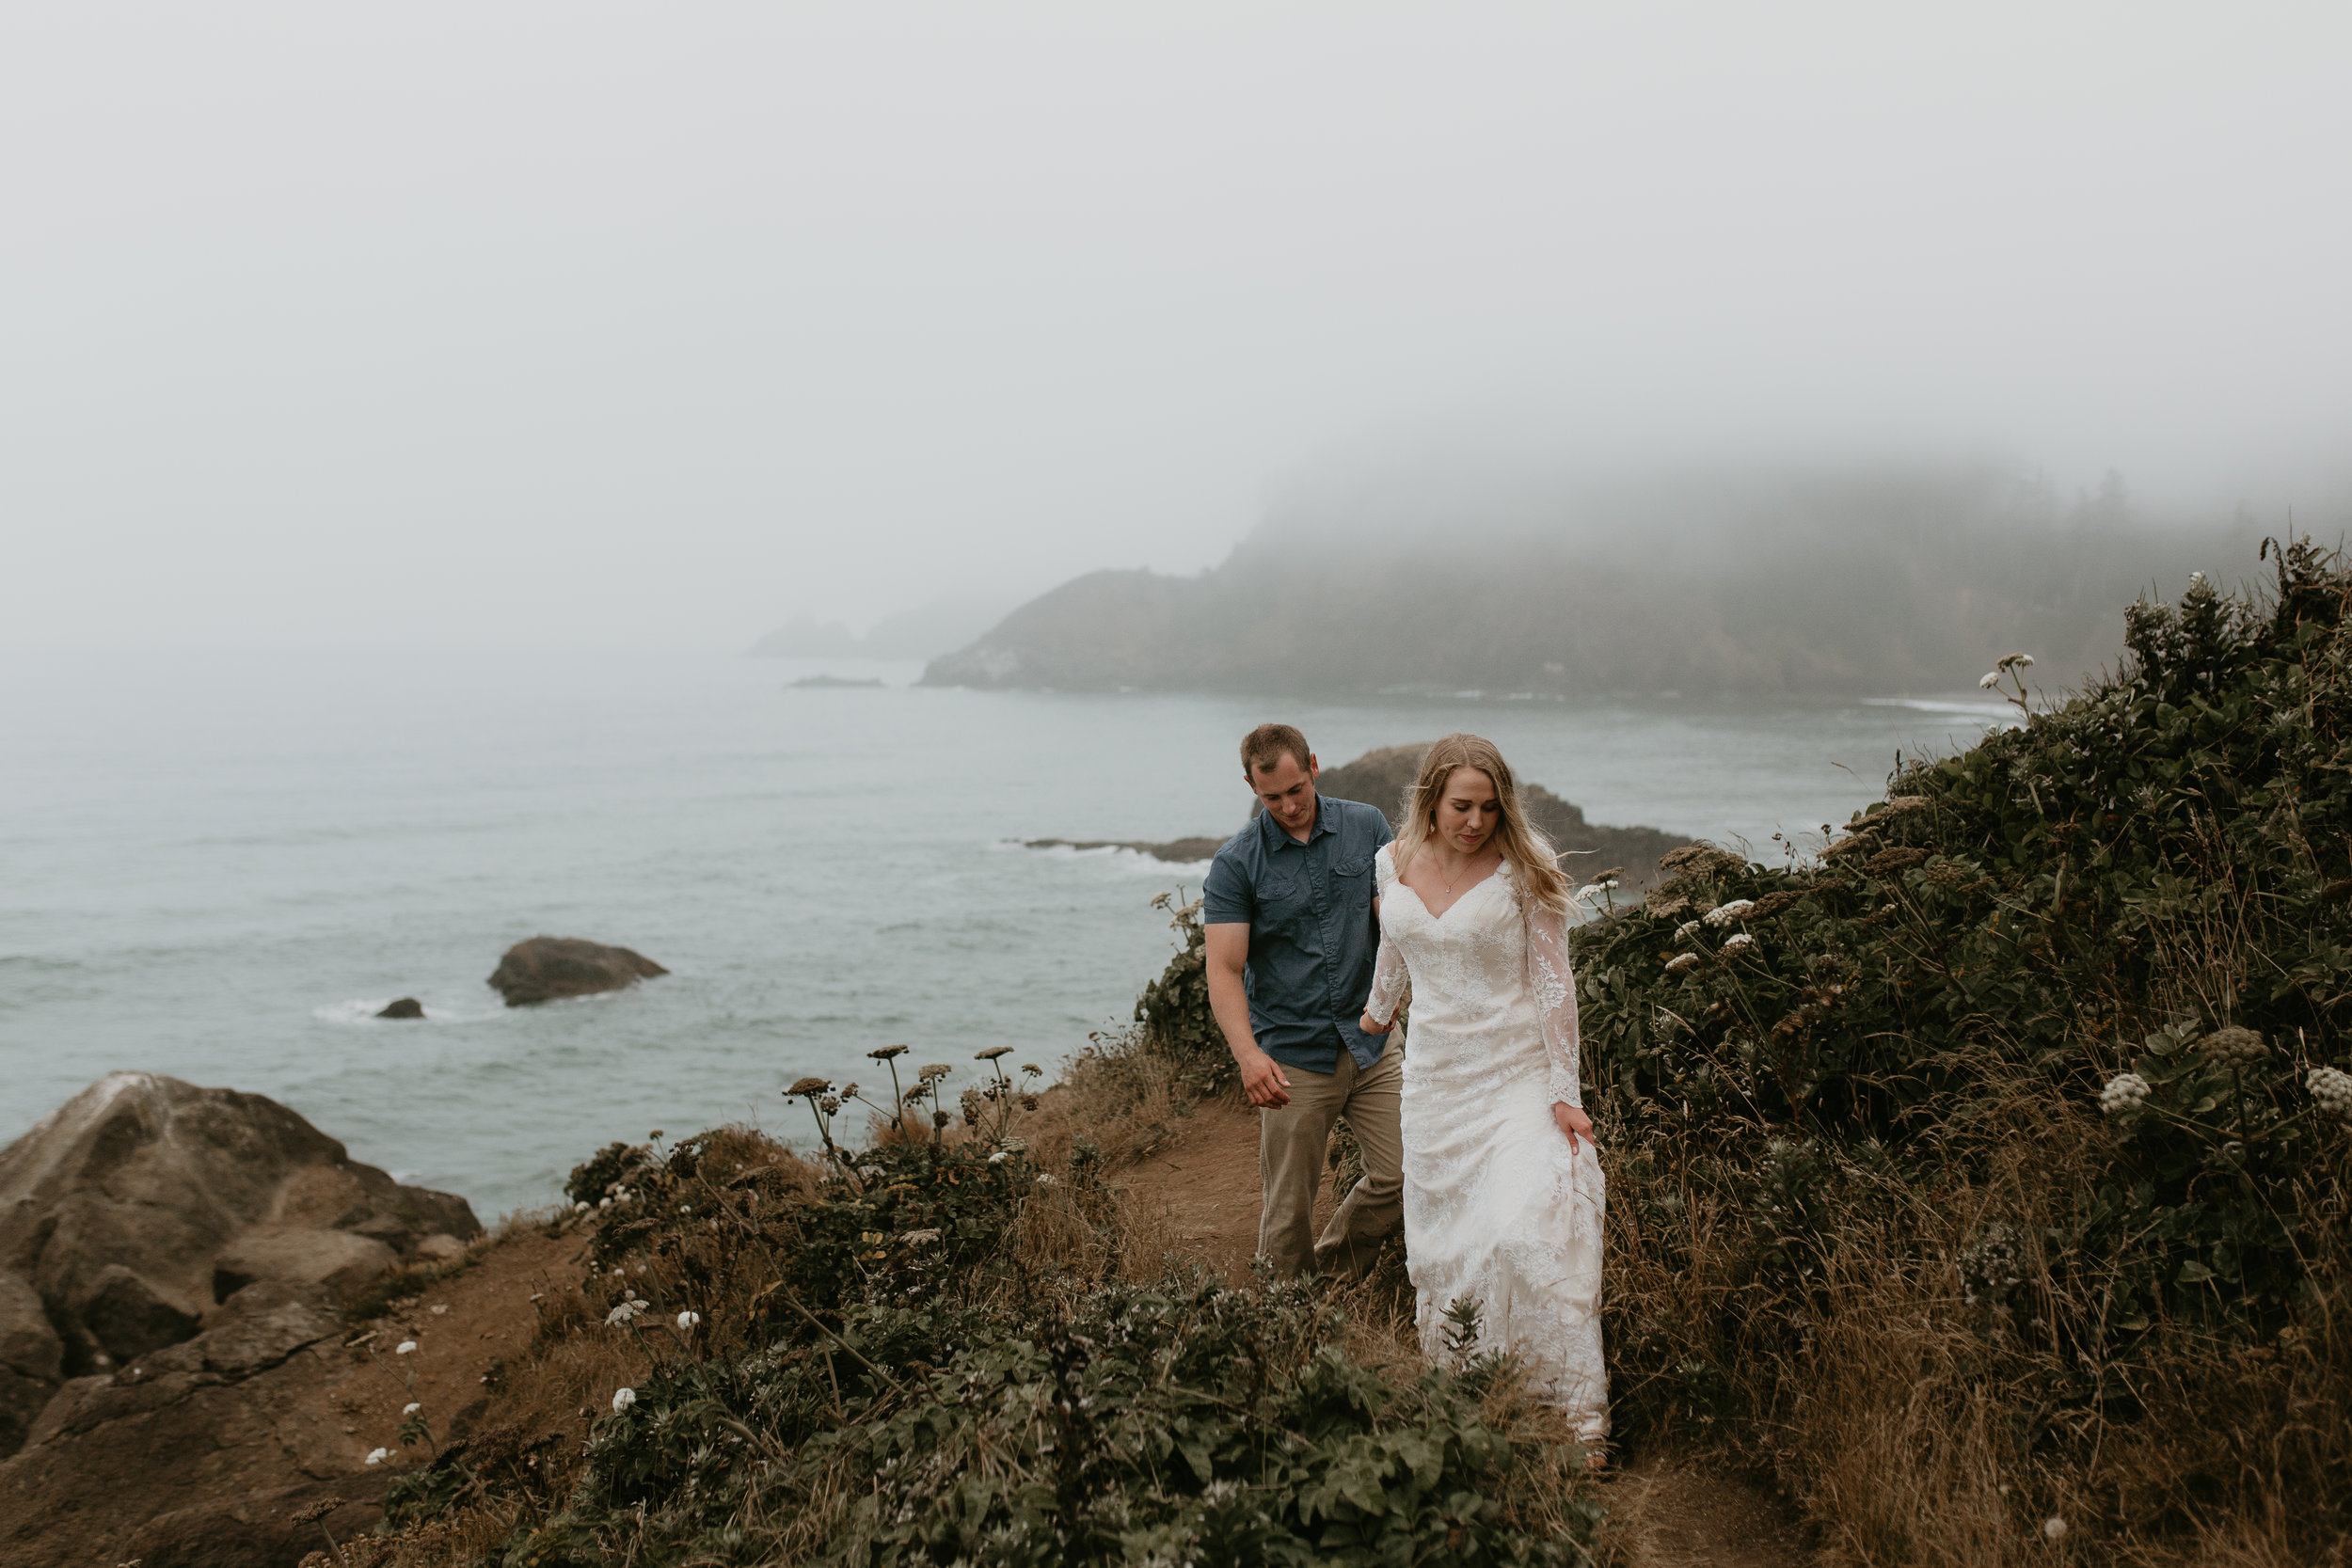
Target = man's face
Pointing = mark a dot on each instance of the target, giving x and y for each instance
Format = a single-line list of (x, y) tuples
[(1288, 792)]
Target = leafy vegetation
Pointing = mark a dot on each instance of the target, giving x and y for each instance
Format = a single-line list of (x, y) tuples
[(949, 1346), (1896, 1082)]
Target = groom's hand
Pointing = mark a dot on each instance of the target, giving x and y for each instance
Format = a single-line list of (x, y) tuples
[(1262, 1080), (1371, 1026), (1575, 1123)]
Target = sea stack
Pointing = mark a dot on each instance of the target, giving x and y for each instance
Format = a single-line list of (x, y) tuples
[(545, 969)]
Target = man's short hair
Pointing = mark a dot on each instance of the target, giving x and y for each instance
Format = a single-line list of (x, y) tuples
[(1265, 747)]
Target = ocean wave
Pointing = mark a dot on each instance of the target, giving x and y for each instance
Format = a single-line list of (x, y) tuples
[(1970, 707), (1118, 857), (362, 1011)]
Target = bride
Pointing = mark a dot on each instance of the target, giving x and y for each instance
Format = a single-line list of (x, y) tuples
[(1502, 1186)]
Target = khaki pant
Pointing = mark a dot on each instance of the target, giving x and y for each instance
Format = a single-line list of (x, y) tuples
[(1292, 1149)]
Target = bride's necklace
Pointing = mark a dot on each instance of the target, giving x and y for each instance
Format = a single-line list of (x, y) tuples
[(1443, 877)]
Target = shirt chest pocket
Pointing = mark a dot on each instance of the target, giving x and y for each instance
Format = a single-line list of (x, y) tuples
[(1351, 884), (1286, 899)]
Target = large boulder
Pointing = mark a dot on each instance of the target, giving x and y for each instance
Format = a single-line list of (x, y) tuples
[(203, 1453), (546, 968), (136, 1208), (32, 1358)]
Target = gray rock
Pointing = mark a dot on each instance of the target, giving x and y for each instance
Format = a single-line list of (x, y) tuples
[(199, 1455), (544, 969), (125, 1316), (32, 1358), (135, 1207), (408, 1006), (342, 1261), (28, 1343)]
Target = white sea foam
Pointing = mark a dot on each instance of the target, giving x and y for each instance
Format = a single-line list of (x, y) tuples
[(362, 1011), (1962, 706)]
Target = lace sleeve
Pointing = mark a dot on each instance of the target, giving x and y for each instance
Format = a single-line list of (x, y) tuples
[(1554, 986), (1388, 974)]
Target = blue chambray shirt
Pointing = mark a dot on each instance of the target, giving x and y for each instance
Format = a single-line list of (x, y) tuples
[(1312, 936)]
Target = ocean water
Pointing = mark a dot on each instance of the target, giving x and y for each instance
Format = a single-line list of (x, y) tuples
[(218, 866)]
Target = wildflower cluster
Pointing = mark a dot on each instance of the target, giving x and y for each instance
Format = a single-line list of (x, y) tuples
[(2332, 1091), (2125, 1091)]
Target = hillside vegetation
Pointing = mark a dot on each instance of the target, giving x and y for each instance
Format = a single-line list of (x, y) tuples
[(1985, 1183), (1835, 583), (961, 1344), (1988, 1179)]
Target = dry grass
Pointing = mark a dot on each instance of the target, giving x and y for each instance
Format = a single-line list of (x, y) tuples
[(1912, 1427)]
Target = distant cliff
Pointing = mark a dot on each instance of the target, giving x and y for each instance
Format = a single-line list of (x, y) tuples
[(1873, 584)]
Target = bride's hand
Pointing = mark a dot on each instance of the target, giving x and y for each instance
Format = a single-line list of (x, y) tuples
[(1575, 1123), (1370, 1027)]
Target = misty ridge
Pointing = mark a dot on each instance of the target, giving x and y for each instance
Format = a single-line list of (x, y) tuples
[(918, 633), (1829, 583)]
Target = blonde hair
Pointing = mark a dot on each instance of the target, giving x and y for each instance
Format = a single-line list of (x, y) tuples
[(1528, 852)]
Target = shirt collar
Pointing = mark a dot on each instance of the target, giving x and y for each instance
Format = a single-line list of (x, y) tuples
[(1281, 835)]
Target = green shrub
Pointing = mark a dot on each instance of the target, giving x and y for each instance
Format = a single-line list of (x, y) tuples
[(910, 1393), (2149, 878), (1174, 1010)]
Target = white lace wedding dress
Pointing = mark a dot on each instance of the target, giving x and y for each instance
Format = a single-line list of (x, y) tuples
[(1497, 1207)]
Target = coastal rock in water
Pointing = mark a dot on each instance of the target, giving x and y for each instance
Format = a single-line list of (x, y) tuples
[(546, 968), (1381, 777), (134, 1209), (408, 1006), (1180, 850)]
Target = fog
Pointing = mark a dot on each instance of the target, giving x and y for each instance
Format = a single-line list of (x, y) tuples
[(635, 328)]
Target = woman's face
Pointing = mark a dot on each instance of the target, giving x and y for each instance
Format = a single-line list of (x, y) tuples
[(1468, 810)]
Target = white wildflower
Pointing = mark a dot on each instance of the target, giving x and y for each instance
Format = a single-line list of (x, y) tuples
[(685, 1208), (410, 1408), (581, 1208), (623, 1399), (2022, 661), (917, 1237), (1685, 931), (2124, 1092), (1724, 914), (1681, 962), (2236, 1045), (2054, 1528), (627, 1313), (1737, 941), (1044, 1179), (601, 1203), (998, 1158), (407, 1346), (377, 1456), (1992, 679), (2332, 1090), (690, 1320)]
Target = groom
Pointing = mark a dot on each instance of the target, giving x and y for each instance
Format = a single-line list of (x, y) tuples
[(1292, 917)]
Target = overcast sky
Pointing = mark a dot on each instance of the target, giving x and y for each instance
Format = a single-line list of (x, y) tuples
[(580, 326)]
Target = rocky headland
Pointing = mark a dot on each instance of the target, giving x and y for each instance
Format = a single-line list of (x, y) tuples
[(1381, 777), (1846, 583)]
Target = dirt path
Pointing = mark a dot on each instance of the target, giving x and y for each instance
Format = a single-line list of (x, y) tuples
[(1203, 1186), (462, 1327)]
